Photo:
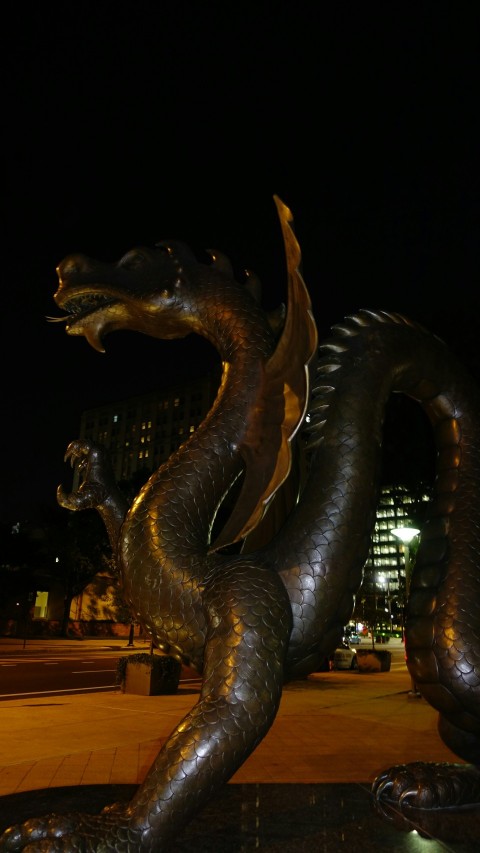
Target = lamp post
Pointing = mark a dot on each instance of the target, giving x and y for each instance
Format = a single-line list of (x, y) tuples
[(406, 534), (131, 644)]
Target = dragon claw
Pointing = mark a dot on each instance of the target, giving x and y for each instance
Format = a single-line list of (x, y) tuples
[(74, 833), (96, 485), (76, 450), (427, 785)]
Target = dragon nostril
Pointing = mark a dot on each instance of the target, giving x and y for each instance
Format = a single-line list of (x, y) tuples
[(73, 264)]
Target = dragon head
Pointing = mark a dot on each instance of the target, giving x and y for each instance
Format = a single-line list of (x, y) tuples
[(156, 291)]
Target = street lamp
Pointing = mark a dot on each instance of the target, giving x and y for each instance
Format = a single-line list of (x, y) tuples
[(406, 534)]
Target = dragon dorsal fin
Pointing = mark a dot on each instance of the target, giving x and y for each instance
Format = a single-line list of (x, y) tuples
[(281, 402)]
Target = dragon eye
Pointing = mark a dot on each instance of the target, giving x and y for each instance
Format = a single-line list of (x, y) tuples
[(132, 259)]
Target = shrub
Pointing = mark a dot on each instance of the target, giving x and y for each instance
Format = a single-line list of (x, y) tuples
[(165, 669)]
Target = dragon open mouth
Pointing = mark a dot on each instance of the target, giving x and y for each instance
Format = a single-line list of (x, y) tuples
[(84, 314), (79, 305)]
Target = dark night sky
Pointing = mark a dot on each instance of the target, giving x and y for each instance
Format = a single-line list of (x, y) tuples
[(131, 122)]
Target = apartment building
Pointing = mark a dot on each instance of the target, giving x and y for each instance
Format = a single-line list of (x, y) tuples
[(388, 567), (141, 432)]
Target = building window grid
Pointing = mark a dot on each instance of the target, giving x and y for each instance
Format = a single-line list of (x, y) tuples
[(394, 510)]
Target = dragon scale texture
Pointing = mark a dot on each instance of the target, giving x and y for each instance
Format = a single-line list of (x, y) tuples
[(294, 422)]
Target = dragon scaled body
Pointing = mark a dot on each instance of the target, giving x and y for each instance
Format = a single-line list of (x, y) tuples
[(249, 620)]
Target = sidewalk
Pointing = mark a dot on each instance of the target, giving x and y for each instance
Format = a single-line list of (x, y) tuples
[(333, 729)]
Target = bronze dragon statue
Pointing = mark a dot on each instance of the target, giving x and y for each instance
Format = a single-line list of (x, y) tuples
[(252, 616)]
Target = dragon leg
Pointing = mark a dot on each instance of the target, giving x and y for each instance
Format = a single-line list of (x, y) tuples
[(249, 626)]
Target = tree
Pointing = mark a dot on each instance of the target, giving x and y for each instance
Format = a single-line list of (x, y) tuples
[(17, 584), (79, 549), (106, 600), (70, 548)]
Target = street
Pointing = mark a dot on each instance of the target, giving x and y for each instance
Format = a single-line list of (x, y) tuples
[(44, 674), (52, 668)]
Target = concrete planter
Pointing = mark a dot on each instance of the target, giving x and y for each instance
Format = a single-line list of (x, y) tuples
[(148, 675), (344, 659), (373, 660)]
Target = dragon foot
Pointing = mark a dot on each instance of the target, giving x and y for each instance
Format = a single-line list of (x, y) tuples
[(112, 830), (428, 786)]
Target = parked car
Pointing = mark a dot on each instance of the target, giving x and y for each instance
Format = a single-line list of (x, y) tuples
[(354, 639)]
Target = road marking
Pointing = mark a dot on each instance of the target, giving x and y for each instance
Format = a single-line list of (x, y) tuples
[(82, 671), (74, 691)]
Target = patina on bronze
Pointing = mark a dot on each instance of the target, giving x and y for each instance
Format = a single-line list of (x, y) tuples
[(272, 611)]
